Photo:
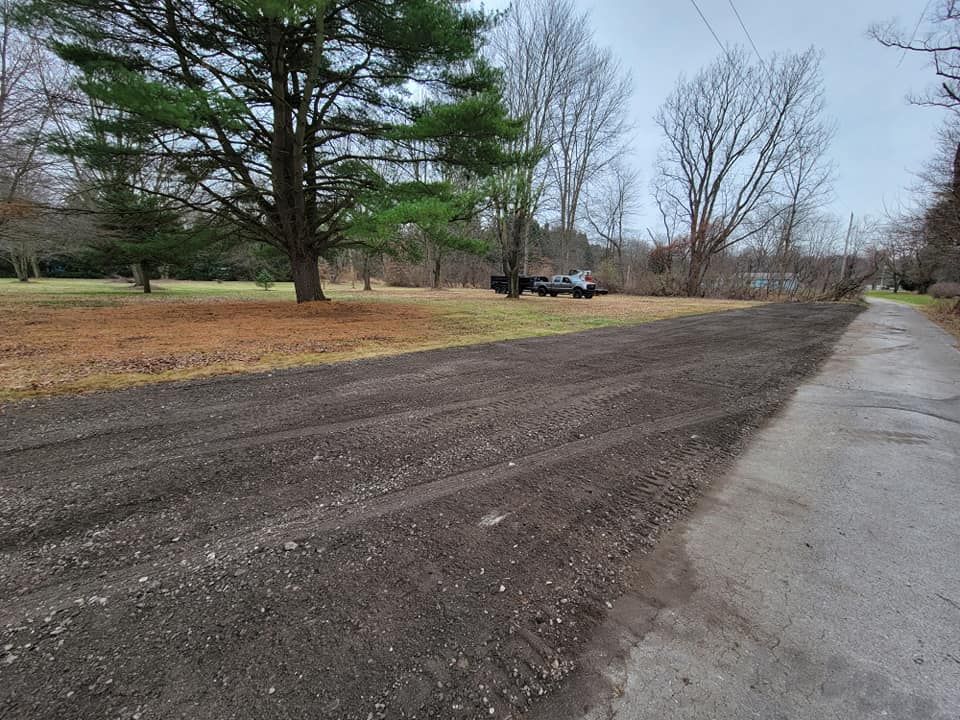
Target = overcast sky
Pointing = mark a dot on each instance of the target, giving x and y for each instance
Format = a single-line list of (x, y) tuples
[(880, 138)]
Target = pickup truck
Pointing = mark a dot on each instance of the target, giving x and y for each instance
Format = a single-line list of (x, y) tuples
[(579, 283)]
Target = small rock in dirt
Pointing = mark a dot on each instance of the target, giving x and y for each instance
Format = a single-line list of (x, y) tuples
[(502, 589), (271, 691), (288, 546)]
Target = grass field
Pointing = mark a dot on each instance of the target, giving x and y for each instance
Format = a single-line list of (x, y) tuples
[(902, 297), (65, 336)]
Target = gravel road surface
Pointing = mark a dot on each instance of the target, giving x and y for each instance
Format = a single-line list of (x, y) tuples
[(433, 535)]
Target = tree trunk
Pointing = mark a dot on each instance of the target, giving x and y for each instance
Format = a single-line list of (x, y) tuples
[(956, 173), (137, 275), (20, 267), (306, 277), (437, 262), (35, 265), (511, 268), (367, 287), (144, 272), (695, 275), (513, 257)]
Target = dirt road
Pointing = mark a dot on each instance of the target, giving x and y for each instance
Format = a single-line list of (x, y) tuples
[(431, 535)]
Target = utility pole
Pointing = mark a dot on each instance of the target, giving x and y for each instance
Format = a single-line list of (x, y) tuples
[(846, 250)]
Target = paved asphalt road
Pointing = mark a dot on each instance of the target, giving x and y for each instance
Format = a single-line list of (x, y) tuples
[(821, 578)]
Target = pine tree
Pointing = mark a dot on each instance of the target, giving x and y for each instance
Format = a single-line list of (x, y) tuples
[(282, 112)]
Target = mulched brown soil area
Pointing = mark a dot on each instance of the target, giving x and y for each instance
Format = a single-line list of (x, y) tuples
[(431, 535), (48, 345)]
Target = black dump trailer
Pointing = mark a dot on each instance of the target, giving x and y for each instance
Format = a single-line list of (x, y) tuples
[(500, 284)]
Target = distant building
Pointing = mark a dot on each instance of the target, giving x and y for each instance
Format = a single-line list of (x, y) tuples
[(781, 282)]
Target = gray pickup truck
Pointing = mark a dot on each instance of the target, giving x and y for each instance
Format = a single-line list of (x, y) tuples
[(579, 283)]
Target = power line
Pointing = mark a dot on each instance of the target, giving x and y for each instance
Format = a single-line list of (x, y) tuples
[(746, 32), (709, 26), (916, 29)]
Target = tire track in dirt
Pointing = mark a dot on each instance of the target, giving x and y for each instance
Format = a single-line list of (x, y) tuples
[(306, 522), (584, 393)]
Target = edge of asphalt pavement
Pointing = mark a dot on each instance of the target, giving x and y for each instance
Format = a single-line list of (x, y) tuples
[(820, 577)]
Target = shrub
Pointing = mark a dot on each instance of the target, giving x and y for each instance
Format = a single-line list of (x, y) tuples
[(264, 279), (942, 290)]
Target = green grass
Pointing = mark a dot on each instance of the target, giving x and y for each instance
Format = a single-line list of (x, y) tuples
[(902, 297), (45, 287)]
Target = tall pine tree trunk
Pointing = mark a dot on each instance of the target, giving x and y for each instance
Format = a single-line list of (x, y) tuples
[(143, 271), (367, 287), (306, 276), (437, 264)]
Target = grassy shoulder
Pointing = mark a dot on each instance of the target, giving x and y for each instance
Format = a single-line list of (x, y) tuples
[(67, 336), (902, 297), (946, 313)]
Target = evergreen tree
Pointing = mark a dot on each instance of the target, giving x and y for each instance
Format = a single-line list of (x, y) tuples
[(125, 186), (282, 111)]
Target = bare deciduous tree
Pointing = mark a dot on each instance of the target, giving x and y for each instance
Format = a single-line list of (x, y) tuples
[(735, 134), (613, 202), (940, 41), (30, 80), (573, 98), (925, 237), (590, 123), (535, 45)]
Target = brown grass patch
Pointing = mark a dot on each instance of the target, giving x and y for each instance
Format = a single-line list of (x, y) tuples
[(73, 336), (47, 349), (946, 313)]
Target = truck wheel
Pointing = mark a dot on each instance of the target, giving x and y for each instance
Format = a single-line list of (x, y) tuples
[(553, 294), (542, 291), (577, 293), (589, 296)]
